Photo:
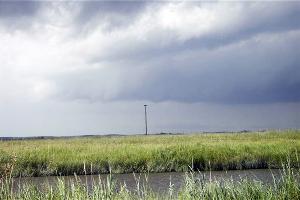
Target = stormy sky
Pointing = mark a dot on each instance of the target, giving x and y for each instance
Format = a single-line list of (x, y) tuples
[(80, 67)]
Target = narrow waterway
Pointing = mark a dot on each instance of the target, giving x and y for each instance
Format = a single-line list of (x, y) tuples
[(159, 182)]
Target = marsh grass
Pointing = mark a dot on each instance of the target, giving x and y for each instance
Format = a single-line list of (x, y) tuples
[(153, 153), (194, 187)]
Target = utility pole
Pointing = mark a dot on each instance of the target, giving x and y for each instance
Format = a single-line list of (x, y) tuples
[(146, 126)]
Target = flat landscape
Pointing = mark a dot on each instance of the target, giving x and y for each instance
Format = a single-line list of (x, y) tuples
[(130, 99), (152, 153)]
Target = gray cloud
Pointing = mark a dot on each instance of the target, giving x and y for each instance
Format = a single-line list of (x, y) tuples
[(255, 18), (256, 72), (171, 51), (89, 67), (95, 9), (14, 9), (18, 14)]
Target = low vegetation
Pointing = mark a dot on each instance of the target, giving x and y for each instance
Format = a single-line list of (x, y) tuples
[(287, 187), (156, 153)]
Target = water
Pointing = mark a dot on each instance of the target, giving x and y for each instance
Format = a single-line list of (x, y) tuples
[(159, 182)]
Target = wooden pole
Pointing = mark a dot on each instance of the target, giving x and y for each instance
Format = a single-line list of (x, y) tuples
[(146, 125)]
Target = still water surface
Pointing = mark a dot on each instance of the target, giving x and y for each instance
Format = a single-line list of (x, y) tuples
[(159, 182)]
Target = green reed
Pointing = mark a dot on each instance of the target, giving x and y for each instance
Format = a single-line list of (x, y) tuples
[(153, 153), (285, 187)]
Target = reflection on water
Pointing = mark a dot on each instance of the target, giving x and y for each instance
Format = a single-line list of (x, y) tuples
[(158, 182)]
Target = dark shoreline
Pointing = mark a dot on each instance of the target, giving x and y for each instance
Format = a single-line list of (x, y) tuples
[(125, 135)]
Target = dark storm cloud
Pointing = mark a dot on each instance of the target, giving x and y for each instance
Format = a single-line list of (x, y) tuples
[(72, 67), (254, 21), (91, 9), (264, 70), (114, 14), (18, 14), (15, 9), (257, 72), (220, 87), (170, 51)]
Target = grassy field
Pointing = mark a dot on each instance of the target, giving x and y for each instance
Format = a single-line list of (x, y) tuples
[(286, 187), (159, 153)]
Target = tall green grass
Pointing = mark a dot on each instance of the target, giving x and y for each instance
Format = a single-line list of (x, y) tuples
[(286, 187), (159, 153)]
